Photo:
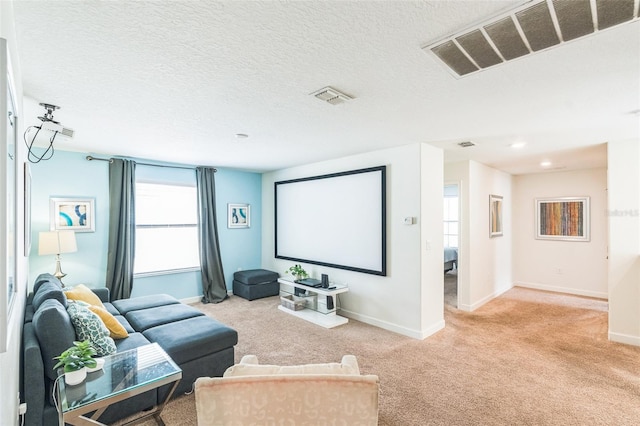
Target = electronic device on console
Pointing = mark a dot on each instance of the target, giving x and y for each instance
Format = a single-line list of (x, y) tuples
[(311, 282)]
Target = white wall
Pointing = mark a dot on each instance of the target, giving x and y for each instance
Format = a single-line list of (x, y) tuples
[(560, 265), (432, 259), (624, 241), (395, 302), (484, 263), (10, 360)]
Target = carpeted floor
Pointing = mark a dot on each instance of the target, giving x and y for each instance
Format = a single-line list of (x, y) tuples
[(451, 288), (526, 358)]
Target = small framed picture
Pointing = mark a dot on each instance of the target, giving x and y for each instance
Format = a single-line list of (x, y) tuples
[(495, 215), (564, 219), (72, 214), (238, 215)]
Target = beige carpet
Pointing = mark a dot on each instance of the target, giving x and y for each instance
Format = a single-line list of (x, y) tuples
[(525, 358), (451, 288)]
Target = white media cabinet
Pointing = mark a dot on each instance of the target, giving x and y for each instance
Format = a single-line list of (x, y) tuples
[(316, 309)]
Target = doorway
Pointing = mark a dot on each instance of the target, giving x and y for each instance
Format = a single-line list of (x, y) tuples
[(451, 222)]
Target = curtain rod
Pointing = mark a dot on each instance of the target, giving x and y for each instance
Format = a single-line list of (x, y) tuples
[(110, 160)]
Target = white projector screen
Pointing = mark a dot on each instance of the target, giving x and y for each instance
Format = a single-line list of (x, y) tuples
[(336, 220)]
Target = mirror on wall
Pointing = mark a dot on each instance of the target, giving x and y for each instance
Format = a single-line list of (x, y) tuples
[(8, 159)]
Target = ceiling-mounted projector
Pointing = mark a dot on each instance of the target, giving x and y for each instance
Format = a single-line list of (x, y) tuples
[(48, 123), (56, 127)]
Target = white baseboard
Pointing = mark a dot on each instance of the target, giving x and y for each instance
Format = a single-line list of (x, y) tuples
[(416, 334), (193, 299), (490, 297), (567, 290), (196, 299), (624, 338)]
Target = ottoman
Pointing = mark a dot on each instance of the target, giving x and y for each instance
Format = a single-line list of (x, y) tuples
[(255, 284)]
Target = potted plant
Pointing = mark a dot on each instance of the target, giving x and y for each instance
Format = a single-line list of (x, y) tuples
[(75, 361), (297, 271)]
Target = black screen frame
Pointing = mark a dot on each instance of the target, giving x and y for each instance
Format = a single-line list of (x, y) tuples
[(382, 271)]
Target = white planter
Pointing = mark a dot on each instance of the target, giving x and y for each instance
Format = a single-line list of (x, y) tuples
[(99, 365), (73, 378)]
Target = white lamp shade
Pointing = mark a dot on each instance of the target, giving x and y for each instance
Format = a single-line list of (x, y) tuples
[(56, 242)]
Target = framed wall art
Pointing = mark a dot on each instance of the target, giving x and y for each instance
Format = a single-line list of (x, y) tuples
[(72, 214), (238, 215), (495, 216), (564, 219)]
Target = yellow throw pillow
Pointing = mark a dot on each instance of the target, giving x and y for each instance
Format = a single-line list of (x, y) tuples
[(116, 330), (84, 293)]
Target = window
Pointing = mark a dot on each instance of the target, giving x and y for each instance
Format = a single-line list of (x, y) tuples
[(451, 221), (166, 228)]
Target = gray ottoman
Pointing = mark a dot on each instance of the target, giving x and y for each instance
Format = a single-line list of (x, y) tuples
[(255, 284)]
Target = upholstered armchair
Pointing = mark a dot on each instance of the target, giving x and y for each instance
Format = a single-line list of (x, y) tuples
[(312, 394)]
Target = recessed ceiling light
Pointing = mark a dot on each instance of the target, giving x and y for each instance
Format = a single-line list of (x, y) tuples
[(545, 164), (518, 145), (241, 136)]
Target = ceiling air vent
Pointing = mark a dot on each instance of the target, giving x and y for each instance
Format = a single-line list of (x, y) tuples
[(466, 144), (533, 27), (331, 95)]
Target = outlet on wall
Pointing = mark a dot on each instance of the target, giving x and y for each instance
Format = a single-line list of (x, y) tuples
[(559, 271)]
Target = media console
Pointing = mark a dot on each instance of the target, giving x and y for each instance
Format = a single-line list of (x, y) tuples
[(320, 303)]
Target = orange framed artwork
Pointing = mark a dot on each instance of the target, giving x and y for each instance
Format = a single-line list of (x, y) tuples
[(564, 219)]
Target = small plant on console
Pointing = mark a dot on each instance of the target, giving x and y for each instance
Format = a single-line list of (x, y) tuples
[(297, 271)]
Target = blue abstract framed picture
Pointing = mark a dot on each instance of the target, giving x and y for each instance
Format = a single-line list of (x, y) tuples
[(238, 215), (72, 214)]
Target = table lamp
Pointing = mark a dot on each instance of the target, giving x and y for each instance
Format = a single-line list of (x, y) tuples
[(57, 242)]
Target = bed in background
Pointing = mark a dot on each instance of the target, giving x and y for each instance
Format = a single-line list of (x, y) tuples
[(450, 258)]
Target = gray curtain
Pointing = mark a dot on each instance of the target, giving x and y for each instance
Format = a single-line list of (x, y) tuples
[(122, 227), (214, 289)]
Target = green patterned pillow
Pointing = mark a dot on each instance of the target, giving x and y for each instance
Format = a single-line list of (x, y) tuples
[(90, 327)]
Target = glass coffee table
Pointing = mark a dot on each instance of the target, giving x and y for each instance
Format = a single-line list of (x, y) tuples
[(125, 374)]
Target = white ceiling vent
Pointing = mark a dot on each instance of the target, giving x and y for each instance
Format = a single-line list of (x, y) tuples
[(533, 27), (331, 95)]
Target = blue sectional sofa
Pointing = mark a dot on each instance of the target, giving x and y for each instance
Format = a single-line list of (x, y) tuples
[(200, 345)]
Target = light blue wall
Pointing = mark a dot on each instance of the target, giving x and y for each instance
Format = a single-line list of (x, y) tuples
[(69, 174)]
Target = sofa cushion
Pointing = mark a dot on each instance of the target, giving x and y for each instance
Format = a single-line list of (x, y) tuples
[(48, 290), (249, 367), (112, 309), (116, 330), (192, 338), (83, 293), (143, 302), (90, 327), (134, 340), (44, 278), (54, 331), (144, 319)]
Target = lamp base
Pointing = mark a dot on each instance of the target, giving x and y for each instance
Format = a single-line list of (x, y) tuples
[(58, 273)]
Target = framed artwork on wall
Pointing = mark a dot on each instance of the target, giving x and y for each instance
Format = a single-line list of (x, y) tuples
[(72, 214), (495, 216), (563, 219), (238, 215)]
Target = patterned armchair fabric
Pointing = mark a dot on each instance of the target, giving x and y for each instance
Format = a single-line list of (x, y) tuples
[(314, 394)]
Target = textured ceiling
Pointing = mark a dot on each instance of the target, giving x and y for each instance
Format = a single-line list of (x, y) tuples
[(176, 80)]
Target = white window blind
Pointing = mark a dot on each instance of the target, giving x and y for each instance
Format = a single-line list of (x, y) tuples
[(166, 228)]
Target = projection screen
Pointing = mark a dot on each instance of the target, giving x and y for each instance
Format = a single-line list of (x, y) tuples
[(336, 220)]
